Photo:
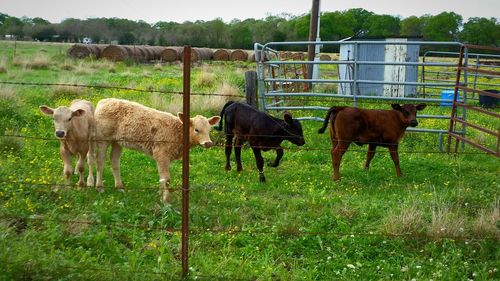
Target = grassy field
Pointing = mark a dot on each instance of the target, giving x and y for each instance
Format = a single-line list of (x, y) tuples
[(440, 221)]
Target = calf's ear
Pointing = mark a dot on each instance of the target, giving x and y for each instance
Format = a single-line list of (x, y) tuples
[(288, 118), (421, 106), (181, 116), (213, 120), (46, 110), (78, 112), (396, 106)]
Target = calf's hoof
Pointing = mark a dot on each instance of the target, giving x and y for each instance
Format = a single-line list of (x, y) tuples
[(262, 178), (239, 168), (90, 182), (272, 164), (99, 189), (227, 168), (166, 197)]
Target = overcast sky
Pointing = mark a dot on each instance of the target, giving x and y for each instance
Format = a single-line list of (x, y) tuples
[(152, 11)]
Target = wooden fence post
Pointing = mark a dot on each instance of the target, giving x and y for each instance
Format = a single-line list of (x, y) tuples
[(251, 88)]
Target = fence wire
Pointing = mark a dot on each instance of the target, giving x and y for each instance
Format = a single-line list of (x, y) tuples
[(217, 143), (266, 230), (202, 188), (347, 99)]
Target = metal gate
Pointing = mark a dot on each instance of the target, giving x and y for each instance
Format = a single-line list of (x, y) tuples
[(358, 72), (488, 139)]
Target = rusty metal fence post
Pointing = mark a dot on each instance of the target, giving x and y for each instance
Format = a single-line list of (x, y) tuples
[(185, 160)]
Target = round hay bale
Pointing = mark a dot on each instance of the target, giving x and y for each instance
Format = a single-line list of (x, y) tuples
[(239, 55), (325, 57), (267, 56), (137, 53), (285, 55), (171, 53), (148, 52), (154, 52), (222, 55), (251, 56), (85, 50), (117, 52), (199, 54), (298, 56)]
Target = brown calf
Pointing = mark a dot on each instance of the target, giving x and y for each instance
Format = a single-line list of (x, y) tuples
[(368, 126)]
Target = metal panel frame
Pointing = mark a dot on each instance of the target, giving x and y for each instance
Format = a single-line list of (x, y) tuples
[(265, 78)]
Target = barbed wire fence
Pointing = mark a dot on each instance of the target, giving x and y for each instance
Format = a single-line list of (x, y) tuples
[(17, 219)]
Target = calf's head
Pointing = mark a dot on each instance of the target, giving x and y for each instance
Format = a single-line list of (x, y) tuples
[(62, 117), (408, 114), (199, 129), (294, 129)]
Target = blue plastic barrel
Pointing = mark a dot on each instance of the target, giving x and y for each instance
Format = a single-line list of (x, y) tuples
[(447, 97)]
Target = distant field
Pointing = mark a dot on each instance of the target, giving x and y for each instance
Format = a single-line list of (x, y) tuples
[(440, 221)]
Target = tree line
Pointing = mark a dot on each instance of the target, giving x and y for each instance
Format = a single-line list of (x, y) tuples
[(241, 34)]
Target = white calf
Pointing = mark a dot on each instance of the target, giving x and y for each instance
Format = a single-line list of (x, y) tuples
[(75, 128), (158, 134)]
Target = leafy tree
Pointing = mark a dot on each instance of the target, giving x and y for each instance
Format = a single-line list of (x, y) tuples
[(240, 35), (12, 26), (443, 27), (481, 31), (381, 26), (126, 38), (43, 33), (360, 16), (71, 29), (217, 33), (336, 26), (412, 26), (39, 21)]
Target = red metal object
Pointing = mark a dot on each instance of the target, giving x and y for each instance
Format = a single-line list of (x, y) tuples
[(457, 120), (455, 96), (185, 160)]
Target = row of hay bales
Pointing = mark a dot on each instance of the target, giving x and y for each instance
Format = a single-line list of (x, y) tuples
[(142, 53)]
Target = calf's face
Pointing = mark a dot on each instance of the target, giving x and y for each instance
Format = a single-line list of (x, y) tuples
[(199, 129), (409, 112), (62, 117), (294, 128)]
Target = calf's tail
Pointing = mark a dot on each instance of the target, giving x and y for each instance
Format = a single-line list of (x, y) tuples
[(222, 115), (333, 110)]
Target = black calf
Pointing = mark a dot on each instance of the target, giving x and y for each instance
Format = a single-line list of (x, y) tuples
[(262, 131)]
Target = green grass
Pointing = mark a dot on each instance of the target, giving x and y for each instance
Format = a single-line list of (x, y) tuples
[(440, 221)]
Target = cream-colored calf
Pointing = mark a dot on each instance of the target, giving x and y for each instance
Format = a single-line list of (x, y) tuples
[(158, 134), (75, 128)]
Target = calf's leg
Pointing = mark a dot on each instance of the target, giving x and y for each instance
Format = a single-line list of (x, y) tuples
[(337, 154), (163, 165), (228, 149), (68, 169), (369, 156), (80, 167), (279, 155), (102, 148), (260, 163), (91, 163), (393, 150), (237, 153), (116, 152)]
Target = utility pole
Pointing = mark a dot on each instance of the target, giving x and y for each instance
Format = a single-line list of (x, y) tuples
[(313, 36)]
